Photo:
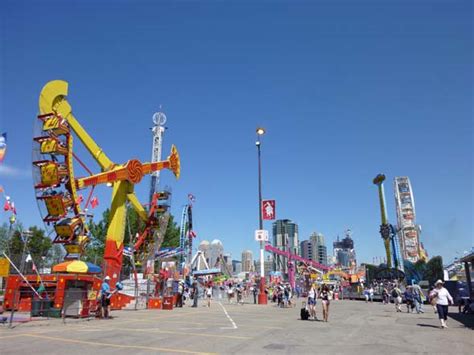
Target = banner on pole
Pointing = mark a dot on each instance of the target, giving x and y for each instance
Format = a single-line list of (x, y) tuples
[(268, 209), (4, 267)]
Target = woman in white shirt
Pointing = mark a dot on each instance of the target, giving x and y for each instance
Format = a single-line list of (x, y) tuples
[(443, 300), (312, 296)]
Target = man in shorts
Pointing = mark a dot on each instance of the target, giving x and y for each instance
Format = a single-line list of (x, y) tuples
[(105, 297)]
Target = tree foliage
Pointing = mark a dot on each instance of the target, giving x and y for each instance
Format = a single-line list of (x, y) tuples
[(133, 225), (171, 239), (434, 269)]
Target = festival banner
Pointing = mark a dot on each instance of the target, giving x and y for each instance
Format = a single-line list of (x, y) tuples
[(268, 209)]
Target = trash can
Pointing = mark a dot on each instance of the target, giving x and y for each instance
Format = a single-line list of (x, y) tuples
[(36, 307), (40, 308), (167, 303)]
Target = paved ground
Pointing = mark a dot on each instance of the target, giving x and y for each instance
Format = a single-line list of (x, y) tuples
[(354, 328)]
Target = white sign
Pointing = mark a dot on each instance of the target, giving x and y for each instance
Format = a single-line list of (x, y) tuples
[(261, 235)]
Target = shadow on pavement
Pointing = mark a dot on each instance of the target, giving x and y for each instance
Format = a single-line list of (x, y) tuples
[(428, 325), (466, 319)]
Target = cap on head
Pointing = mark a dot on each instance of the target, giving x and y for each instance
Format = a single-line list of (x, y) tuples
[(107, 278), (438, 282)]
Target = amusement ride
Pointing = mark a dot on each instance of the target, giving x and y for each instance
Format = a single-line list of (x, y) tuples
[(63, 209)]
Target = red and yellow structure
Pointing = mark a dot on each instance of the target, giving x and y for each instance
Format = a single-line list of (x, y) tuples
[(57, 186), (57, 191)]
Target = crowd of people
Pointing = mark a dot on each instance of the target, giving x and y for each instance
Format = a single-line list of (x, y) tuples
[(414, 298), (284, 296)]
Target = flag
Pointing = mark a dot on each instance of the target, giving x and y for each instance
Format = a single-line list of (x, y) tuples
[(3, 146), (12, 207), (94, 202), (128, 251), (191, 198), (192, 234), (79, 199)]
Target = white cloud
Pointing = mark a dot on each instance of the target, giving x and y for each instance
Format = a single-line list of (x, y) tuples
[(10, 171)]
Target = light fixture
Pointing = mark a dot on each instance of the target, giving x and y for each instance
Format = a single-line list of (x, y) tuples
[(260, 131)]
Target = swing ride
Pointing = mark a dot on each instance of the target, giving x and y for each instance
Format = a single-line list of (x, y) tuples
[(57, 188)]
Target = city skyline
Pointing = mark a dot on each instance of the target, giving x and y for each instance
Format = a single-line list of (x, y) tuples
[(352, 79)]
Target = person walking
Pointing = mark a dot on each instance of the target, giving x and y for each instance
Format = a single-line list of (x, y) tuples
[(385, 298), (418, 298), (443, 300), (371, 294), (179, 295), (312, 302), (366, 294), (195, 293), (397, 298), (254, 290), (409, 299), (325, 301), (209, 295)]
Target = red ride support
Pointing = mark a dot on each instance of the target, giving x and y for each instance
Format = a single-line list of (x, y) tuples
[(113, 261)]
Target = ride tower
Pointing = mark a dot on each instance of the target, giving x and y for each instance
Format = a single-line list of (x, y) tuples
[(158, 130), (387, 231)]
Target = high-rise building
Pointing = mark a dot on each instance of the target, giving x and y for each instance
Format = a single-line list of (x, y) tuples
[(306, 249), (285, 238), (344, 251), (228, 261), (216, 251), (267, 265), (409, 231), (318, 248), (236, 267), (247, 261)]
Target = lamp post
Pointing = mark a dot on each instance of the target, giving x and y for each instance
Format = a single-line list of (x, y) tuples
[(262, 297)]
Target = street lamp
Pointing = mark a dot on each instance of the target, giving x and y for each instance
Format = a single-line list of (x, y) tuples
[(262, 297)]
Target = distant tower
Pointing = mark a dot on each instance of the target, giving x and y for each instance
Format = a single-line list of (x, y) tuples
[(247, 261), (408, 231), (159, 120)]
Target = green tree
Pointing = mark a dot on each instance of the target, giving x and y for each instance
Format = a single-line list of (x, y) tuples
[(38, 244), (98, 233), (55, 256), (133, 225), (434, 269), (4, 236), (171, 239)]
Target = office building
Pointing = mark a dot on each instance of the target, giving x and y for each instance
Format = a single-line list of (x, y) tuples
[(285, 237), (247, 261)]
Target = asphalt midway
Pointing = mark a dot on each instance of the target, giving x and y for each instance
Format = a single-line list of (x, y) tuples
[(354, 327)]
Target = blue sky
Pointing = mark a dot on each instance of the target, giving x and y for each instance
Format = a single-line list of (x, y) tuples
[(344, 90)]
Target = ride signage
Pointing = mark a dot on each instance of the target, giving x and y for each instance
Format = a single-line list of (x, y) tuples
[(268, 209), (261, 235)]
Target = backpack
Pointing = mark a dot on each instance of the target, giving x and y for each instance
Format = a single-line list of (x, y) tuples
[(394, 293)]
